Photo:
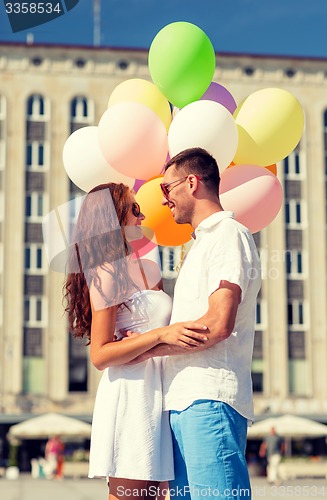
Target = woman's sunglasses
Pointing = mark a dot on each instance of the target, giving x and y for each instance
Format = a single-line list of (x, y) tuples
[(136, 209)]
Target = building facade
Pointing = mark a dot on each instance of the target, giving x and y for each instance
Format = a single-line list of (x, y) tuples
[(47, 92)]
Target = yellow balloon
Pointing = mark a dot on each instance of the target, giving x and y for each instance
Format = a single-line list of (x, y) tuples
[(158, 217), (270, 124), (144, 92)]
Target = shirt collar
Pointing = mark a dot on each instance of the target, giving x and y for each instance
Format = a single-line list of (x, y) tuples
[(211, 221)]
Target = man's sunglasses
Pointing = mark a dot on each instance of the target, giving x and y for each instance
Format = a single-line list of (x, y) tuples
[(164, 186), (136, 209)]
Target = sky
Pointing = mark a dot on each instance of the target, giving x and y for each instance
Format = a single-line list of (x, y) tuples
[(278, 27)]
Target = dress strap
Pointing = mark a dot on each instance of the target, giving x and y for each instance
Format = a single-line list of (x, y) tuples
[(146, 284)]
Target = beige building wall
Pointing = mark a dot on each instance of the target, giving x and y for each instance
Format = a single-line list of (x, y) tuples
[(62, 73)]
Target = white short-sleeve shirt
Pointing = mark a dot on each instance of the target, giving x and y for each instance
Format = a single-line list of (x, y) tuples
[(223, 249)]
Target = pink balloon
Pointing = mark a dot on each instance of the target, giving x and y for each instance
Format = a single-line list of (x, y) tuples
[(220, 94), (133, 139), (253, 193), (143, 246)]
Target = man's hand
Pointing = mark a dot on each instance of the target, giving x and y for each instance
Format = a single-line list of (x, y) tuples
[(186, 334)]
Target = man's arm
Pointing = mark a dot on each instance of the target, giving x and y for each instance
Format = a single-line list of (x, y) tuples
[(221, 314)]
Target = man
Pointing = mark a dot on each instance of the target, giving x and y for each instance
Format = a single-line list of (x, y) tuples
[(272, 448), (209, 392)]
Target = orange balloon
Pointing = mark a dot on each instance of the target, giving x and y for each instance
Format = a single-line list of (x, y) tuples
[(272, 168), (158, 217)]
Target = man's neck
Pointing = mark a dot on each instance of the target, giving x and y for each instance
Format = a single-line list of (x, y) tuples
[(203, 210)]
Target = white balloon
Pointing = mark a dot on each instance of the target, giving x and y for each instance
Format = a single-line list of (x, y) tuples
[(85, 164), (208, 125)]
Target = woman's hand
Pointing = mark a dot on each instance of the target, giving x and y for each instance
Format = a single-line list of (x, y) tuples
[(184, 334)]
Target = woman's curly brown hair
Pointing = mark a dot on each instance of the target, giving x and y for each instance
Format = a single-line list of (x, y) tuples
[(99, 240)]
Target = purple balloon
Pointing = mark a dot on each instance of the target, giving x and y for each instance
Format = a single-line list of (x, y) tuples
[(220, 94), (138, 184)]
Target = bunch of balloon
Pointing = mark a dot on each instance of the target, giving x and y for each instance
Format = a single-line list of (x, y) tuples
[(146, 123), (182, 62)]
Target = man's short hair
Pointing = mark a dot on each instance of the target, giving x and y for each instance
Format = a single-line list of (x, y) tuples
[(197, 161)]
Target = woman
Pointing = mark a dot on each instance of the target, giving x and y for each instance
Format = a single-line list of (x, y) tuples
[(54, 455), (108, 292)]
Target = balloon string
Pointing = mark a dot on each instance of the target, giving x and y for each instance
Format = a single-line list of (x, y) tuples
[(181, 258)]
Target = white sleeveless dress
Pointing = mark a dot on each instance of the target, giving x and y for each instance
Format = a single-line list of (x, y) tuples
[(131, 436)]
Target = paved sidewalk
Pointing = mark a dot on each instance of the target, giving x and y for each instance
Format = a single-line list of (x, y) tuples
[(26, 488)]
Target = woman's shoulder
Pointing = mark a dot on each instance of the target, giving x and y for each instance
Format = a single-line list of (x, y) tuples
[(102, 287)]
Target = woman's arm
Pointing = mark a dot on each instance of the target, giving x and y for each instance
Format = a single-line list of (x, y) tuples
[(105, 352)]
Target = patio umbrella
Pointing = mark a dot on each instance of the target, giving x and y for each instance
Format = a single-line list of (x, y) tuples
[(49, 424), (288, 426)]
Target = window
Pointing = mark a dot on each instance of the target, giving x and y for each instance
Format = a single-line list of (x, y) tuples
[(295, 213), (37, 108), (295, 313), (82, 110), (257, 373), (36, 155), (294, 165), (258, 314), (299, 377), (35, 206), (170, 258), (33, 342), (261, 313), (34, 259), (257, 381), (296, 345), (35, 311), (78, 365), (258, 345), (295, 263)]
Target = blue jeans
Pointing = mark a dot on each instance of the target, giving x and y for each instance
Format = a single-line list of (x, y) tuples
[(209, 439)]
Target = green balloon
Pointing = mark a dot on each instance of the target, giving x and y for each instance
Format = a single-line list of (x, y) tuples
[(182, 62)]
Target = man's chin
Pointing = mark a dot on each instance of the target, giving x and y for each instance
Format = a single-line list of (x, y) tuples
[(178, 220)]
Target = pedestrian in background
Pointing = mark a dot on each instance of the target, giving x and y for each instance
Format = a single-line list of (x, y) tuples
[(272, 448), (54, 454)]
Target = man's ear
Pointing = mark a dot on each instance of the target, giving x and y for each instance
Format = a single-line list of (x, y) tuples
[(193, 181)]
